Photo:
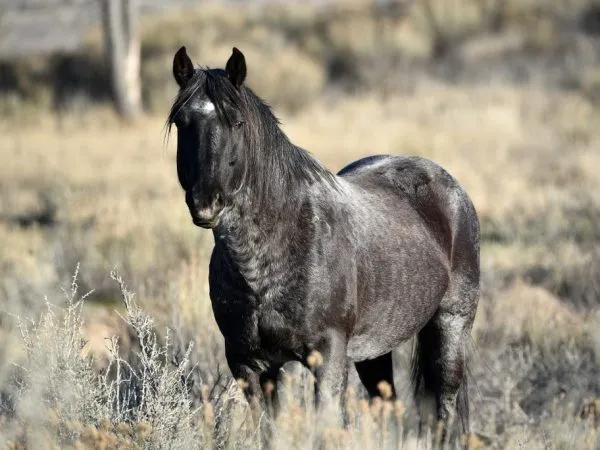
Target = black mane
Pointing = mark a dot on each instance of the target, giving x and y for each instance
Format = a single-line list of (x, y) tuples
[(272, 161)]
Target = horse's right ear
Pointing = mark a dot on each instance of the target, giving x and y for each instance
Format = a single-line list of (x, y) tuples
[(183, 68)]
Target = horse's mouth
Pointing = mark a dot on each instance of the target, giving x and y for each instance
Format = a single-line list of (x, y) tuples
[(207, 223)]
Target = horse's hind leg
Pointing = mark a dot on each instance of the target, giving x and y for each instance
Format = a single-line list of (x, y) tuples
[(454, 333), (373, 371), (441, 365)]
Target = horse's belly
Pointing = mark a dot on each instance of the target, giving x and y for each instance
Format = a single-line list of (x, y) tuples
[(395, 304), (385, 336), (372, 344)]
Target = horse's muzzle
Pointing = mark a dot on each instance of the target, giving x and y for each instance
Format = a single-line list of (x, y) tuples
[(207, 222), (205, 216)]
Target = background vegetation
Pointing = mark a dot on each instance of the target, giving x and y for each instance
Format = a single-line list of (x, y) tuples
[(505, 94)]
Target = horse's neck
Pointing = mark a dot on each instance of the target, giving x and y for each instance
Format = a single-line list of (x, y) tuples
[(262, 230), (258, 244)]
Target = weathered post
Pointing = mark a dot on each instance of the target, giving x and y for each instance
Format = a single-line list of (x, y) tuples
[(122, 46)]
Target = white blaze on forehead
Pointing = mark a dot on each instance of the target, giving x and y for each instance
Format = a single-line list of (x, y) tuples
[(205, 107)]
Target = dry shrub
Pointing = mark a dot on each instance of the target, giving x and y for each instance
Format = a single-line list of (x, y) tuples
[(281, 74), (292, 79), (62, 399), (277, 70), (590, 85), (100, 328), (189, 314), (532, 313)]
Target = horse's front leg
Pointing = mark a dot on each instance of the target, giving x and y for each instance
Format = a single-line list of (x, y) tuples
[(331, 373), (249, 380), (252, 382)]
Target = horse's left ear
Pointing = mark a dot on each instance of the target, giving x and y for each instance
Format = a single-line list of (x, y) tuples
[(236, 68)]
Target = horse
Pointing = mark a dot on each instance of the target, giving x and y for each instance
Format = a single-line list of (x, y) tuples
[(349, 265)]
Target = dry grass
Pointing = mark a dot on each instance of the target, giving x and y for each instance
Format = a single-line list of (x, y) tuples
[(95, 192)]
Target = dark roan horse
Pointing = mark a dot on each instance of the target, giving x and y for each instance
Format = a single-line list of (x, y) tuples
[(349, 265)]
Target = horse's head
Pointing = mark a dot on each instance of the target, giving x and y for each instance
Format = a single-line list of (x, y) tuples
[(210, 121)]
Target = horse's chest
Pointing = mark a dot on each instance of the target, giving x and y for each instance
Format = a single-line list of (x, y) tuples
[(258, 301), (277, 332), (258, 326)]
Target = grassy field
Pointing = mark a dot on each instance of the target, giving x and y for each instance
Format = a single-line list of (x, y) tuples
[(92, 193)]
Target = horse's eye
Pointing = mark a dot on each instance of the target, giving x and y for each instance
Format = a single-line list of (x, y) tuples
[(238, 124)]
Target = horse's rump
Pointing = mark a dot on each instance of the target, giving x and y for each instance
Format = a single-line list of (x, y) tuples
[(431, 191)]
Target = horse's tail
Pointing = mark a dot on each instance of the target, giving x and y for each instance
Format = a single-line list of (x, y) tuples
[(425, 374)]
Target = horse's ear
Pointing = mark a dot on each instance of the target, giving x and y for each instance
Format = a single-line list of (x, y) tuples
[(183, 68), (236, 68)]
